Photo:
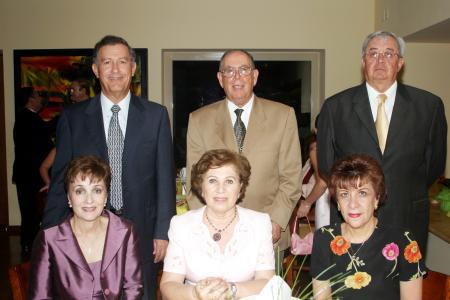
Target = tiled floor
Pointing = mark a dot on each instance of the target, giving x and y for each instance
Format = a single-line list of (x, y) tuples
[(9, 255)]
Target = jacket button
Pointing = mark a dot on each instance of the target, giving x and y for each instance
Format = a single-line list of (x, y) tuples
[(106, 292)]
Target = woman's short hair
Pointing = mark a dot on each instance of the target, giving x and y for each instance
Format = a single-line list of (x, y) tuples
[(215, 159), (89, 166), (354, 170)]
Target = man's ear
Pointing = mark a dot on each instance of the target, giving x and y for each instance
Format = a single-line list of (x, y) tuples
[(95, 69)]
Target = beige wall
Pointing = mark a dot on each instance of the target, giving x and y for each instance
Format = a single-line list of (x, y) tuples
[(409, 16), (336, 26)]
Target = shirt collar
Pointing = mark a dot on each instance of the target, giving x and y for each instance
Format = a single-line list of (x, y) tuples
[(390, 92), (124, 104), (247, 107)]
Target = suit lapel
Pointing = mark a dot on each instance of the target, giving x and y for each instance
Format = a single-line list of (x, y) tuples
[(115, 236), (96, 131), (66, 242), (401, 108), (224, 127), (256, 127), (362, 108)]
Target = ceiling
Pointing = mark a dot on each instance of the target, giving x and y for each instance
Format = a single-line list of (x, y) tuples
[(438, 33)]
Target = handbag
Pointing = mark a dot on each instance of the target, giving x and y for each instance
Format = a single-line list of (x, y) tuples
[(301, 246)]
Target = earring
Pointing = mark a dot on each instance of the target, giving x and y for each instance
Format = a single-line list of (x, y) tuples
[(70, 204)]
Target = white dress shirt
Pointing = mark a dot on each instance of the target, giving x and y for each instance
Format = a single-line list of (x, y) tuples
[(388, 104), (245, 116), (124, 104)]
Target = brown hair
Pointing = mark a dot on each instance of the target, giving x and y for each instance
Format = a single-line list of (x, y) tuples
[(87, 166), (357, 169), (215, 159)]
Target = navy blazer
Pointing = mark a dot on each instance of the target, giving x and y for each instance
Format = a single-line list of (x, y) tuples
[(415, 150), (60, 271)]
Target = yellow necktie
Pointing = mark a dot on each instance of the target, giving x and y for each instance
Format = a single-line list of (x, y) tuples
[(382, 123)]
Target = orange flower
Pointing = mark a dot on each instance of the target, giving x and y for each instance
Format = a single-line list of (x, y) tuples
[(358, 280), (339, 245), (412, 252)]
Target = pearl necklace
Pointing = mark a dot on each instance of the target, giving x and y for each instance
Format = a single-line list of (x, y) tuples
[(217, 236)]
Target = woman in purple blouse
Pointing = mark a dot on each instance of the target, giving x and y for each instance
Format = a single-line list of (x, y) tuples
[(92, 254)]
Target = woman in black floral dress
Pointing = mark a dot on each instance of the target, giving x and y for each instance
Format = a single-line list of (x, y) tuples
[(359, 259)]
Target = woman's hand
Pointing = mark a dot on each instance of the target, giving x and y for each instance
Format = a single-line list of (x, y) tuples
[(303, 209), (211, 289)]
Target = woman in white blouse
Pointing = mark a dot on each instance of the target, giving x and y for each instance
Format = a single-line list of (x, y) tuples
[(219, 251)]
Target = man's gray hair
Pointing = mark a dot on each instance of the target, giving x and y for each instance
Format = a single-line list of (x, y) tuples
[(384, 34)]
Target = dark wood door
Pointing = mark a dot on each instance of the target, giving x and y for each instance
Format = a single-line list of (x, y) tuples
[(4, 221)]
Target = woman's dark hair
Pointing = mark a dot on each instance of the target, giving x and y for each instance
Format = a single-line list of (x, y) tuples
[(88, 166), (215, 159), (356, 170)]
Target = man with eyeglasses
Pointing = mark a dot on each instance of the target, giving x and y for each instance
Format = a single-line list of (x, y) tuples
[(402, 127), (264, 131)]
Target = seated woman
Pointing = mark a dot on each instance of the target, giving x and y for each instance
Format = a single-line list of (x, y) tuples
[(93, 254), (219, 251), (376, 262)]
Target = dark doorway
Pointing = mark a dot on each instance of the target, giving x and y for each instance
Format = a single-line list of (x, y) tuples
[(4, 220)]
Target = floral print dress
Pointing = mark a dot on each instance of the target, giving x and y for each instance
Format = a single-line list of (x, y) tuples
[(371, 270)]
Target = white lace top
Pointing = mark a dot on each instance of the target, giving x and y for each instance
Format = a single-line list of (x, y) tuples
[(193, 253)]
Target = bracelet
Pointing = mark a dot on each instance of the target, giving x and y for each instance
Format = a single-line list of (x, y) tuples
[(233, 289), (306, 204)]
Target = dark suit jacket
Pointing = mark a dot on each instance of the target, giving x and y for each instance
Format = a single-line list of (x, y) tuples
[(414, 155), (60, 271), (32, 143), (148, 180)]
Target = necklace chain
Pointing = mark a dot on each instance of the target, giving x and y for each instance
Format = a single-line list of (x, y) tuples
[(217, 236), (354, 254), (359, 248)]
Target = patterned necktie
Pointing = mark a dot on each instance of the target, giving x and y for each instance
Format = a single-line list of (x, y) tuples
[(382, 123), (239, 129), (115, 149)]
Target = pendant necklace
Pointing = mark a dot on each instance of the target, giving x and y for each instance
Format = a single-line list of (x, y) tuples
[(354, 254), (217, 236)]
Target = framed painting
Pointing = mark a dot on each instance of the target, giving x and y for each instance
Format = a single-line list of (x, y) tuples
[(52, 71)]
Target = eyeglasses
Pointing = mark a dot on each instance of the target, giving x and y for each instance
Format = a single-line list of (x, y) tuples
[(386, 54), (231, 72)]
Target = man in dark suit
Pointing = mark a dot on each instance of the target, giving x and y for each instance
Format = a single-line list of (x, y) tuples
[(402, 127), (133, 134), (31, 144)]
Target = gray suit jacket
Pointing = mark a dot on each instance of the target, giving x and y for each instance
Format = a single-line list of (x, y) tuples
[(413, 158)]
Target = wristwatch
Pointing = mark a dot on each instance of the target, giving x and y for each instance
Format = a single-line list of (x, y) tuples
[(233, 289)]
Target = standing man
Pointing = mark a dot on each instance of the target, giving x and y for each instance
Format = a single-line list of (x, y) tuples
[(262, 130), (402, 127), (133, 134), (31, 144)]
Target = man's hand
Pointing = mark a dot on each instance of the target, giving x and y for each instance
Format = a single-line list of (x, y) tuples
[(276, 232), (159, 249)]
